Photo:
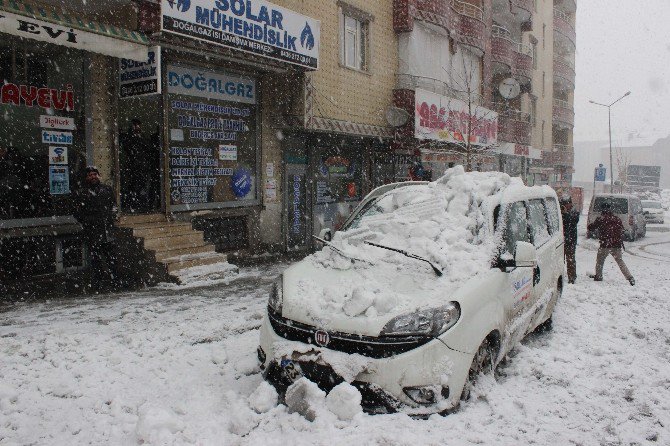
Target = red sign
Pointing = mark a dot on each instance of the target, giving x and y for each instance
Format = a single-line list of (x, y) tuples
[(31, 95)]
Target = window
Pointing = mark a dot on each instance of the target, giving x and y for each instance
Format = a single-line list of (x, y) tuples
[(553, 215), (354, 30), (516, 229), (538, 222), (544, 83), (544, 35), (533, 111), (543, 124), (534, 47)]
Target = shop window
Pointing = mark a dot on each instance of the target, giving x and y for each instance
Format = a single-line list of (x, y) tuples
[(354, 38), (213, 151), (40, 165)]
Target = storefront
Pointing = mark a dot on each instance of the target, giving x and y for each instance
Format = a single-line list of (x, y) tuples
[(53, 90)]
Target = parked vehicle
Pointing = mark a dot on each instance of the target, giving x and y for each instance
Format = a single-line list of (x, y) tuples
[(426, 286), (653, 211), (627, 207)]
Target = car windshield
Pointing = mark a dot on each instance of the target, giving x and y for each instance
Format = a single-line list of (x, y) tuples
[(618, 205), (651, 205)]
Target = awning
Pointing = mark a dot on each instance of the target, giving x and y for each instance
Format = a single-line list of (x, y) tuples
[(60, 27)]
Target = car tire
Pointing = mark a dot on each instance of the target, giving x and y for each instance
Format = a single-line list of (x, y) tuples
[(482, 363)]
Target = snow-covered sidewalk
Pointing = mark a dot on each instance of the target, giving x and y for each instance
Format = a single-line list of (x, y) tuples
[(177, 365)]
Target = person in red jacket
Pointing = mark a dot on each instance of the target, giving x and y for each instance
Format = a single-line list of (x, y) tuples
[(611, 232)]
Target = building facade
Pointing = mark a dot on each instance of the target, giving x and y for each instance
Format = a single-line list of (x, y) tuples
[(248, 125)]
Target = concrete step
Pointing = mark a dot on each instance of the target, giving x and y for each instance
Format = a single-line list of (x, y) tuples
[(180, 263), (156, 230), (178, 241), (131, 220), (168, 253)]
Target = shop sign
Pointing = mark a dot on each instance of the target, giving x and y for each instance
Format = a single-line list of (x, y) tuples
[(57, 122), (56, 137), (210, 85), (253, 26), (31, 28), (440, 118), (31, 95), (59, 180), (57, 155), (140, 78)]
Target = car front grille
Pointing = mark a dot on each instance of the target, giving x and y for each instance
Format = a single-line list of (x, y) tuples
[(370, 346)]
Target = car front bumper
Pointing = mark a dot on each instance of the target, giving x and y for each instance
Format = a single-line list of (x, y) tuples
[(381, 381)]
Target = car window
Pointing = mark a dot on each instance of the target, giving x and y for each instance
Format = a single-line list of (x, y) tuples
[(619, 205), (637, 207), (553, 215), (651, 205), (516, 229), (538, 222)]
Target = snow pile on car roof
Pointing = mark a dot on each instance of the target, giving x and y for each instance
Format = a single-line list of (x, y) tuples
[(440, 221)]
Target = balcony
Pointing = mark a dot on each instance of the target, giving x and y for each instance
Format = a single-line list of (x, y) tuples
[(523, 63), (502, 49), (522, 9), (564, 73), (562, 156), (513, 125), (564, 30), (566, 5), (469, 24), (563, 114), (412, 82)]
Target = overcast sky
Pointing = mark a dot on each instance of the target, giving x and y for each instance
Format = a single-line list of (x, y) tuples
[(623, 45)]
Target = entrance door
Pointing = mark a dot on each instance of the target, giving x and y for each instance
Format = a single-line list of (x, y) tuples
[(296, 207), (140, 154)]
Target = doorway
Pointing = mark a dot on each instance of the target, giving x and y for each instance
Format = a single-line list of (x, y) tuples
[(140, 154)]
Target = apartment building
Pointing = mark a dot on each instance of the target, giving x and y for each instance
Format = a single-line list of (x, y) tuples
[(505, 64)]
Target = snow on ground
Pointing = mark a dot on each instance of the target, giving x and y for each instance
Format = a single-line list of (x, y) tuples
[(177, 365)]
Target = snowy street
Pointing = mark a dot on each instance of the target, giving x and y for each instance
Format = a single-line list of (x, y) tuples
[(177, 365)]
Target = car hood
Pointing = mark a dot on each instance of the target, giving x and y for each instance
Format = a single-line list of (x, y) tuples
[(359, 299)]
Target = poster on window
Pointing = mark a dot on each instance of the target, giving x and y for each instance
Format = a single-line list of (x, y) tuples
[(59, 180), (213, 154)]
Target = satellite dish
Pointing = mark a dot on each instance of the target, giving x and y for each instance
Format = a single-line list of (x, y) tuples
[(509, 88), (396, 117)]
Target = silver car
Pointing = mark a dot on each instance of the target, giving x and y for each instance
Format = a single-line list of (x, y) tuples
[(627, 207), (653, 211)]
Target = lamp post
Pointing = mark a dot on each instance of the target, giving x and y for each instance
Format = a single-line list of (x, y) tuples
[(609, 120)]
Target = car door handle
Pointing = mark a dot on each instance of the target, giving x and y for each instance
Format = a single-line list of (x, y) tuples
[(536, 275)]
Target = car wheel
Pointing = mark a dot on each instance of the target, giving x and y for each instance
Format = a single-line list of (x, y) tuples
[(482, 363)]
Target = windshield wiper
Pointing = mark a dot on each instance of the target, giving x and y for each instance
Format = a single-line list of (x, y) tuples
[(339, 251), (408, 254)]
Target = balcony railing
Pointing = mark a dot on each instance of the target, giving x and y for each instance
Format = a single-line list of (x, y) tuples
[(438, 86), (501, 33), (503, 110), (562, 104), (564, 73), (563, 25), (563, 114), (468, 9), (563, 148), (513, 125)]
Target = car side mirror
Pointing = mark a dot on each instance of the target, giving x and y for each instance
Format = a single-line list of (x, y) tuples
[(326, 234), (525, 256)]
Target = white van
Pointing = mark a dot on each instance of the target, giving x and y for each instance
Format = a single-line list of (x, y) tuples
[(426, 286), (627, 207)]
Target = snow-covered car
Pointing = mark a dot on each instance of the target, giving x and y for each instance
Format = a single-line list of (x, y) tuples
[(653, 211), (426, 286)]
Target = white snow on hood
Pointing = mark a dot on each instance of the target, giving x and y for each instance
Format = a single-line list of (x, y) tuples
[(446, 221)]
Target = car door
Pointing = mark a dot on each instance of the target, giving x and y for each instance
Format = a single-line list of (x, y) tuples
[(544, 276), (518, 291)]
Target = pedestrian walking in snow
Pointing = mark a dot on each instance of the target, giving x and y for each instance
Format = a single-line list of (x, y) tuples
[(611, 233), (570, 217), (95, 209)]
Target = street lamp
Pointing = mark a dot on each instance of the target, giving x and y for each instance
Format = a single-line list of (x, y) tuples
[(609, 119)]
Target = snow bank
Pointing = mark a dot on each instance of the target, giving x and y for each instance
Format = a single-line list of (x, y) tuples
[(344, 401)]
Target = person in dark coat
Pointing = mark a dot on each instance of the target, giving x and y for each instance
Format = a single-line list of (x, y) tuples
[(136, 161), (95, 209), (611, 232), (570, 217)]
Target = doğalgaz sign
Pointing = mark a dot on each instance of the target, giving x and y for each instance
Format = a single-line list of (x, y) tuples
[(253, 26)]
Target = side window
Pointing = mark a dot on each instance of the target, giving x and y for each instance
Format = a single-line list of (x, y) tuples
[(637, 207), (553, 215), (538, 222), (517, 227)]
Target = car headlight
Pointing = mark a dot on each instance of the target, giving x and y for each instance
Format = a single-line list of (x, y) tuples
[(277, 295), (432, 322)]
